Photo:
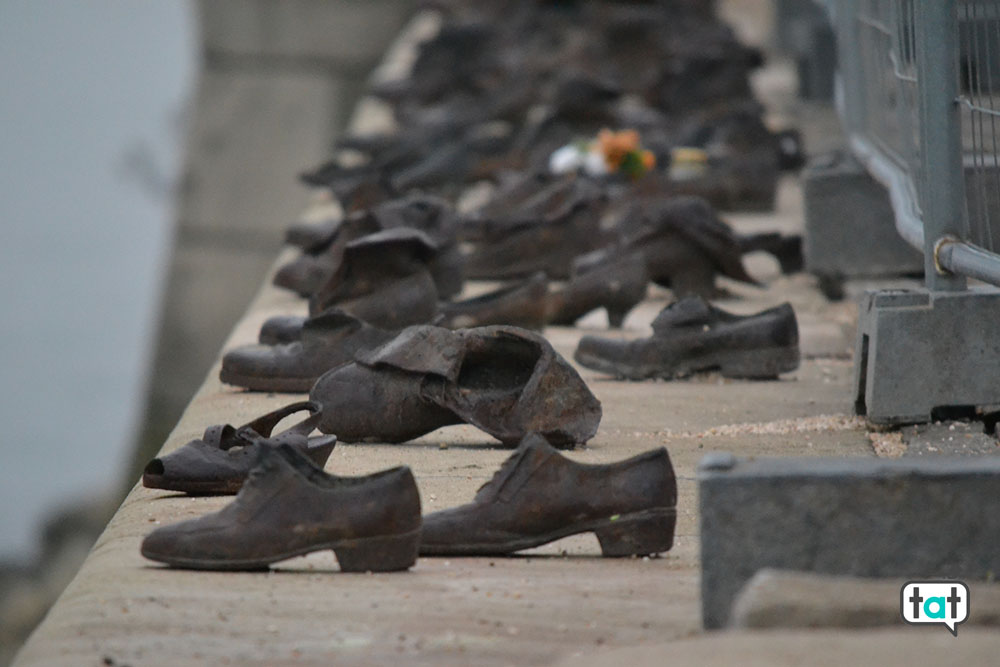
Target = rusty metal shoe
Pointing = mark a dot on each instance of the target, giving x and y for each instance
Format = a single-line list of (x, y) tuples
[(523, 304), (685, 245), (289, 507), (282, 329), (318, 263), (309, 271), (691, 336), (504, 380), (220, 460), (544, 233), (326, 341), (384, 280), (436, 218), (617, 285), (538, 496), (312, 237)]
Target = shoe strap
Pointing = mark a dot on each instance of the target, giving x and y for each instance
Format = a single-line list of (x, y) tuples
[(262, 426)]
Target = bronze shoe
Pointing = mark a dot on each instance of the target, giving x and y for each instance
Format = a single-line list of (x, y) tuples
[(220, 461), (384, 280), (538, 496), (544, 233), (522, 304), (683, 241), (691, 336), (506, 381), (325, 341), (289, 507), (617, 285)]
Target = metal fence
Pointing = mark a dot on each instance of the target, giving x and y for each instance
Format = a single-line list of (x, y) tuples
[(919, 94)]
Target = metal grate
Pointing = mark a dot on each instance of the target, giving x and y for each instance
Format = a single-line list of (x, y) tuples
[(920, 99), (979, 39)]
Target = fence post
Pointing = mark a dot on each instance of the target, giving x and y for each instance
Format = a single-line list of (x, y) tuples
[(943, 186), (852, 90)]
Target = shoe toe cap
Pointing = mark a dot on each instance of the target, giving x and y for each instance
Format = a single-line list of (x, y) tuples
[(594, 347)]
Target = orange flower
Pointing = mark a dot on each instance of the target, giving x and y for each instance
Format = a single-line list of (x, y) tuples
[(648, 159), (616, 145)]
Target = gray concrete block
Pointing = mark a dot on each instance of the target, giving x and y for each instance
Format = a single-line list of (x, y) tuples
[(919, 351), (850, 227), (933, 518), (784, 599), (353, 32), (253, 133)]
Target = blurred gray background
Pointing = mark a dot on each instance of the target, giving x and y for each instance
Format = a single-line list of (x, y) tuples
[(93, 96)]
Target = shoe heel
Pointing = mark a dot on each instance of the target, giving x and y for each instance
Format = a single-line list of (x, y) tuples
[(616, 316), (379, 554), (638, 534)]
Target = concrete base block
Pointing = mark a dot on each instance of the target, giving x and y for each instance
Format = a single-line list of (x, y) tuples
[(850, 228), (919, 352), (912, 518), (783, 599)]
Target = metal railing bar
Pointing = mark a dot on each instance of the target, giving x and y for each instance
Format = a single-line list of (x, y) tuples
[(875, 24), (897, 182), (978, 108), (992, 111), (985, 239), (968, 260)]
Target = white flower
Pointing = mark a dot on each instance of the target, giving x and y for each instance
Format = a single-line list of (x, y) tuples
[(566, 159)]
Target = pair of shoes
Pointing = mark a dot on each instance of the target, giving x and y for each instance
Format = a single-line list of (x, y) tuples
[(692, 336), (290, 507)]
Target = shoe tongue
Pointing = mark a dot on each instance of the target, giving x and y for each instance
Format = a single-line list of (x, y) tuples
[(420, 349), (267, 462), (531, 452), (684, 313)]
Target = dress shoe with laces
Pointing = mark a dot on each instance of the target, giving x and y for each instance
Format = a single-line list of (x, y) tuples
[(289, 507), (538, 496)]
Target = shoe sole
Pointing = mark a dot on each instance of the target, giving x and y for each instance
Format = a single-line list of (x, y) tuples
[(761, 364), (269, 384), (634, 534), (193, 488), (383, 553)]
